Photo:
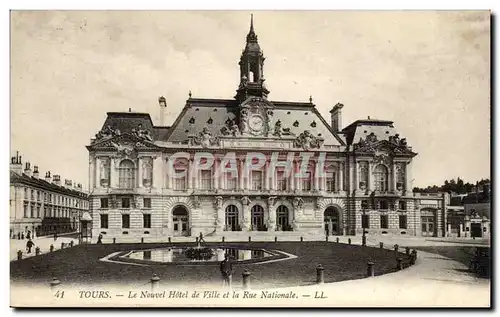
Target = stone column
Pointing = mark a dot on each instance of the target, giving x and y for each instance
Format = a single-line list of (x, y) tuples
[(316, 177), (247, 221), (157, 171), (408, 178), (220, 221), (139, 171), (190, 174), (371, 182), (215, 173), (266, 175), (448, 230), (341, 176), (96, 172), (112, 174), (169, 174), (241, 174), (393, 179), (271, 224), (292, 179)]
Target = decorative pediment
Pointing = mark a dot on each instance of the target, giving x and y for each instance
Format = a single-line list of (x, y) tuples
[(394, 145), (124, 143)]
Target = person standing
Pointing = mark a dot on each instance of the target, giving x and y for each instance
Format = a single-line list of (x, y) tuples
[(226, 269), (29, 245), (99, 239), (28, 235)]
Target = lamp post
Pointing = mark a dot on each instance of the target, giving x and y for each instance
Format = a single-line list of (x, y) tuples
[(363, 238)]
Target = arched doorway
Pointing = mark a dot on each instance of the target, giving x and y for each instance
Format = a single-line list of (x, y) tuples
[(180, 217), (428, 222), (257, 218), (232, 219), (283, 219), (332, 221)]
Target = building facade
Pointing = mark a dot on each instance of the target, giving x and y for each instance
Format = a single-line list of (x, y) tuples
[(253, 166), (42, 205), (469, 214)]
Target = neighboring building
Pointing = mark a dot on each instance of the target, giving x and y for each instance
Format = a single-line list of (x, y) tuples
[(43, 206), (367, 181), (469, 214)]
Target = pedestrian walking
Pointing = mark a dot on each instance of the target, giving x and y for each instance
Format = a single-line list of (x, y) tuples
[(28, 235), (226, 269), (29, 245), (99, 239), (201, 238), (22, 235), (55, 236)]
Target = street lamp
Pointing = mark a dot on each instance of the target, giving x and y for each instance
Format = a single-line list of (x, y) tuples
[(363, 238)]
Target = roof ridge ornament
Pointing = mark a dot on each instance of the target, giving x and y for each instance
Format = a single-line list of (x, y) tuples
[(251, 37)]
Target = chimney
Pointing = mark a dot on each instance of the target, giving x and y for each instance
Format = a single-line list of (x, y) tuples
[(16, 165), (163, 105), (35, 172), (48, 177), (57, 180), (27, 169), (336, 115)]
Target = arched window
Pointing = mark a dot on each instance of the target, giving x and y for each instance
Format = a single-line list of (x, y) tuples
[(381, 178), (282, 219), (127, 174)]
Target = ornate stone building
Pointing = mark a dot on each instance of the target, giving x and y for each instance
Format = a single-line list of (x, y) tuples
[(357, 176), (43, 206)]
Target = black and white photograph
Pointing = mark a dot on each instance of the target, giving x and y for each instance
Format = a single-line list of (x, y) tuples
[(256, 158)]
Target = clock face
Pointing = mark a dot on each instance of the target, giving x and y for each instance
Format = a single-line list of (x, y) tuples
[(256, 123)]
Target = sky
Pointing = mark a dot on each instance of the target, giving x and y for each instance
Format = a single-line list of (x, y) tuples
[(429, 72)]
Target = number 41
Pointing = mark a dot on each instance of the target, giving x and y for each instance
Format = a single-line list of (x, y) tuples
[(59, 294)]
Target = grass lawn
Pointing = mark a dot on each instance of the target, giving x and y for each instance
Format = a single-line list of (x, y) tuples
[(80, 265)]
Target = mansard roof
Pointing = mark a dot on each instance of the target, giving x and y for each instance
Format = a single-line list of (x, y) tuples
[(41, 183), (359, 129), (125, 122), (213, 114)]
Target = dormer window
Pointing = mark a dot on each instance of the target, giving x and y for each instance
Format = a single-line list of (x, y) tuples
[(296, 123), (210, 121), (313, 124), (191, 120)]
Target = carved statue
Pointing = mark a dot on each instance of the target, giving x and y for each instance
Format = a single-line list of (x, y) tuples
[(306, 141), (196, 202), (218, 202), (371, 138), (235, 131), (298, 203), (107, 133), (279, 130), (142, 133), (205, 139), (245, 200), (244, 80), (272, 201), (243, 120), (319, 201)]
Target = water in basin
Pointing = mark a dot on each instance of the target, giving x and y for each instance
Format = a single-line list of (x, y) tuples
[(179, 255)]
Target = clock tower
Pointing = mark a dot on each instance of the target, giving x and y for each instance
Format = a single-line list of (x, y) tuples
[(251, 69)]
